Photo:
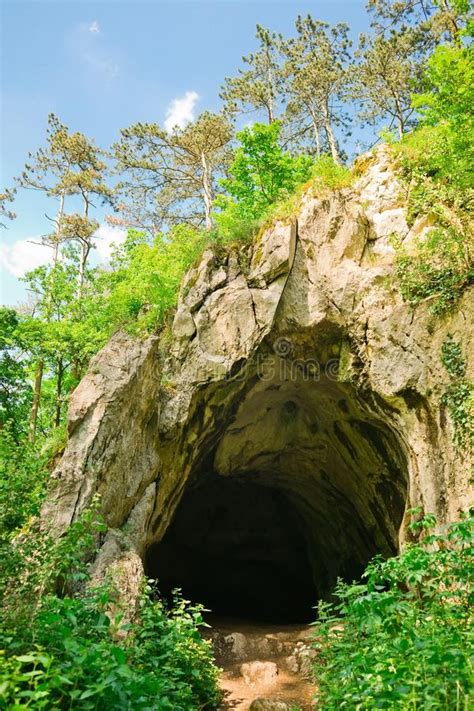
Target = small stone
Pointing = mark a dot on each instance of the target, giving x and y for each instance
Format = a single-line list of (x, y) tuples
[(268, 705), (237, 644), (292, 664), (259, 672)]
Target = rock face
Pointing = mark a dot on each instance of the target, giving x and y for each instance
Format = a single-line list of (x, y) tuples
[(296, 368)]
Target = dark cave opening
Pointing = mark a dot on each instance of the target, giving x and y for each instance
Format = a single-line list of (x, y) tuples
[(237, 547), (303, 485)]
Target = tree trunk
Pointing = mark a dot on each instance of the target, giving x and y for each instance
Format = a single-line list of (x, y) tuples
[(271, 117), (317, 137), (451, 21), (330, 136), (59, 392), (58, 231), (85, 249), (400, 119), (36, 400), (207, 191)]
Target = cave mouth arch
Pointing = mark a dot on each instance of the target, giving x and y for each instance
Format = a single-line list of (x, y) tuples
[(303, 484)]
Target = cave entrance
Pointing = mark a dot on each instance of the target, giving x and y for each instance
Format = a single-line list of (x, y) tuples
[(304, 483), (237, 547)]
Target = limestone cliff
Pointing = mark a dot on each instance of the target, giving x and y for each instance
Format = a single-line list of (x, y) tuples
[(294, 366)]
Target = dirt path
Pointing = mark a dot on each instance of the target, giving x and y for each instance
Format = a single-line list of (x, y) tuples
[(265, 667)]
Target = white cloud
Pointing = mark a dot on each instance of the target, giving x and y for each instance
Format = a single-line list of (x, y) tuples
[(181, 111), (24, 256), (94, 27), (105, 237)]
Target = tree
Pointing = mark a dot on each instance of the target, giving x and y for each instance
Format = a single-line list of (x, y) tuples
[(447, 122), (257, 88), (15, 393), (315, 77), (392, 61), (388, 71), (86, 179), (7, 196), (434, 20), (69, 165), (172, 177), (260, 174), (45, 171), (142, 284)]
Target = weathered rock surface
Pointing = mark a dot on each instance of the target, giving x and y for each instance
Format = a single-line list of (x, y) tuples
[(268, 705), (261, 673), (299, 368)]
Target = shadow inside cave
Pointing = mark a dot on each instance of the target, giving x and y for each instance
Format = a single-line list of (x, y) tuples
[(307, 482)]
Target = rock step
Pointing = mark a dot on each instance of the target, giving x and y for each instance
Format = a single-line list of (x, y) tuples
[(294, 651)]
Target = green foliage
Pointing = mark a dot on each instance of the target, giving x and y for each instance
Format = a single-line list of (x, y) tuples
[(261, 175), (402, 639), (15, 390), (142, 285), (436, 161), (439, 267), (64, 647), (23, 478), (262, 172), (459, 396), (80, 659), (446, 151), (326, 174)]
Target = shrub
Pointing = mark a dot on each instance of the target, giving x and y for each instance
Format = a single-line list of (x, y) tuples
[(261, 175), (77, 660), (401, 640), (62, 649), (436, 161), (439, 267)]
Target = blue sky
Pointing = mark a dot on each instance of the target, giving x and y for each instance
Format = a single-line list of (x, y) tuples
[(101, 66)]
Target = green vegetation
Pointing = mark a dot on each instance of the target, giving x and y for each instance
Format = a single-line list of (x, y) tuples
[(437, 161), (261, 175), (402, 639), (65, 645), (459, 395)]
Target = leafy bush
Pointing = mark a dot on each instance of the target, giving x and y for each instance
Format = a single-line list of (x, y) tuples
[(402, 640), (24, 473), (62, 648), (78, 659), (142, 285), (440, 267), (261, 174)]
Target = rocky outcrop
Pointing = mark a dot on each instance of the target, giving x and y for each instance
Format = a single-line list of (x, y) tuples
[(294, 366)]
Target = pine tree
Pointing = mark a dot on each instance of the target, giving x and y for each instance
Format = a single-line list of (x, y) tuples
[(257, 88), (315, 77), (434, 20), (171, 177), (386, 74), (7, 196), (68, 165)]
